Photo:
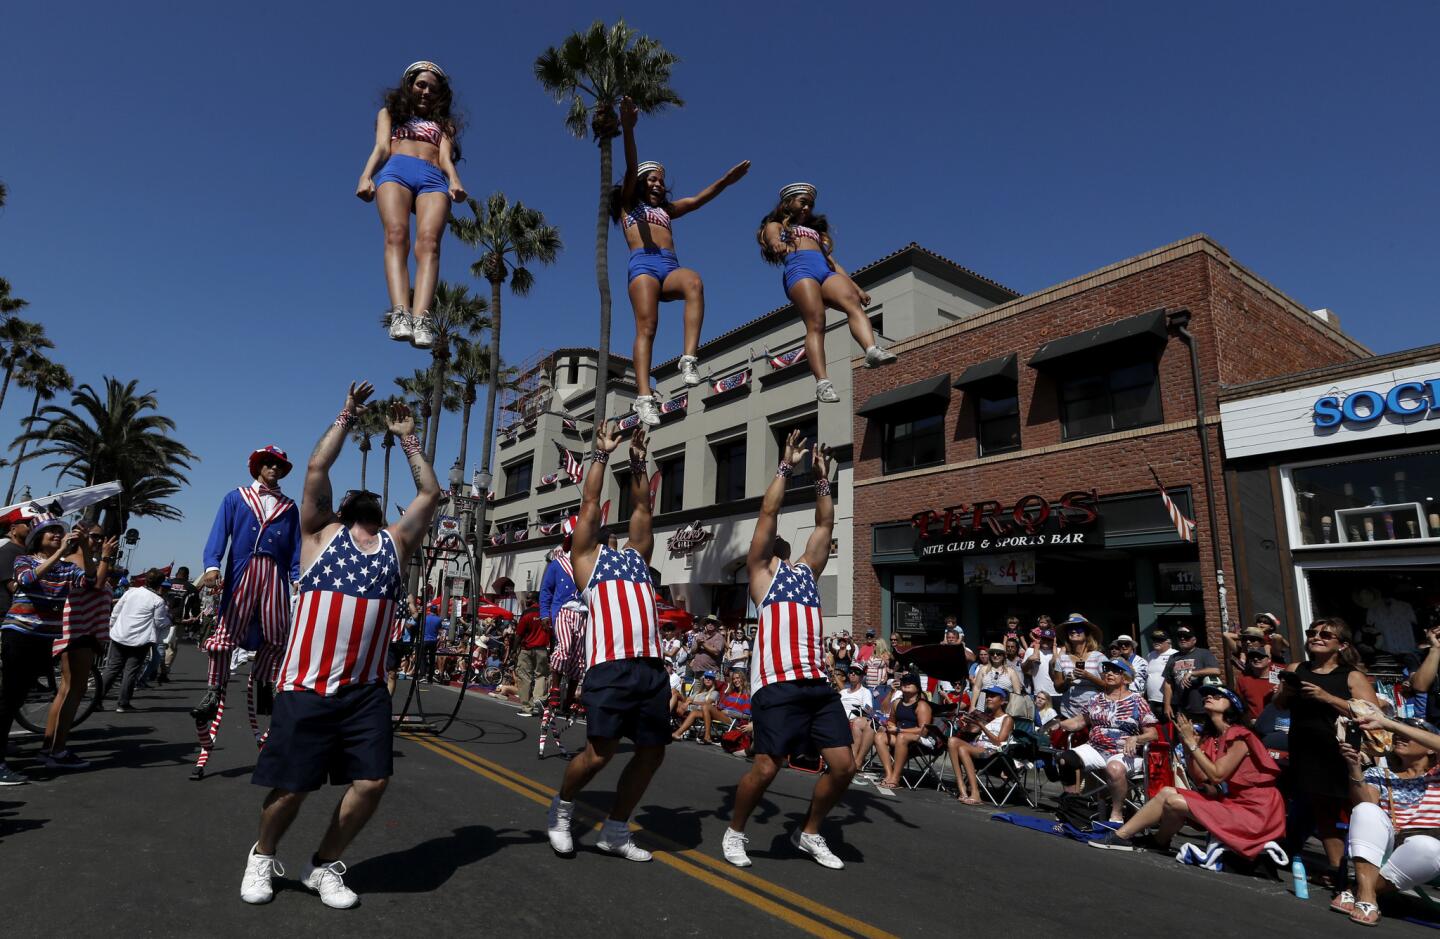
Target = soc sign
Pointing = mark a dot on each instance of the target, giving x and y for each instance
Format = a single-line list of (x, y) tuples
[(1364, 407)]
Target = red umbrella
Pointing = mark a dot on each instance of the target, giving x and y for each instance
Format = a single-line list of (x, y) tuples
[(682, 619), (492, 611)]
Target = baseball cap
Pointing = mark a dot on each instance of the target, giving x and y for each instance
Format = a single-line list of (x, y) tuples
[(996, 689), (1207, 691), (1257, 653), (708, 675), (855, 670), (1185, 632), (1159, 633), (1252, 632), (910, 678)]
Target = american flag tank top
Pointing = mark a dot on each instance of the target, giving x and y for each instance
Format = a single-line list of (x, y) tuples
[(624, 623), (787, 639)]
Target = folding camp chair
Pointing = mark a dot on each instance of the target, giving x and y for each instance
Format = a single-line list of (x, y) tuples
[(927, 754), (1006, 771)]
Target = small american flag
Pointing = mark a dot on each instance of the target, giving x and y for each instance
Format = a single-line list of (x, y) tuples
[(570, 463), (677, 403), (731, 382), (1184, 527), (786, 359)]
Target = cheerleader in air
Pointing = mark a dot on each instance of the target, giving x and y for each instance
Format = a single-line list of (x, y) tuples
[(641, 204), (793, 235), (417, 143)]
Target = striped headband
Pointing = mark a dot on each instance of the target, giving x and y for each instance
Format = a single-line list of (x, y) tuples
[(424, 66), (649, 166), (795, 189)]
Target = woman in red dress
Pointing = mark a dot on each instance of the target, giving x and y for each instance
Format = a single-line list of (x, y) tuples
[(1248, 813)]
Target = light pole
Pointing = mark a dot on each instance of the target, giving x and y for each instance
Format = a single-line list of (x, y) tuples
[(481, 481)]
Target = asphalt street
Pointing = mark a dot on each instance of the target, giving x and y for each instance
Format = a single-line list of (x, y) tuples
[(133, 847)]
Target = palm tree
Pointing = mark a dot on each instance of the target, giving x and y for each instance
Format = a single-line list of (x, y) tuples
[(594, 70), (509, 236), (115, 436), (387, 440), (419, 392), (9, 304), (20, 339), (47, 379), (455, 314), (371, 421)]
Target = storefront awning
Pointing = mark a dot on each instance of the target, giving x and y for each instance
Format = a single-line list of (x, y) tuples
[(931, 391), (1002, 368), (1147, 329)]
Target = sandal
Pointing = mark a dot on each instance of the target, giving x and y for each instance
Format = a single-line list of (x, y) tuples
[(1366, 914), (970, 800), (1343, 902)]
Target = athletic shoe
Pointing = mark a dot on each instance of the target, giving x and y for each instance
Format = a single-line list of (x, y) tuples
[(422, 334), (815, 846), (689, 370), (399, 322), (1113, 842), (825, 391), (328, 880), (615, 839), (260, 870), (204, 712), (733, 846), (64, 760), (876, 356), (557, 826), (197, 774), (524, 712), (8, 777), (122, 708), (649, 413)]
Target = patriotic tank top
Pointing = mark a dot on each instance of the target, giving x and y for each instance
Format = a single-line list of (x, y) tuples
[(649, 214), (418, 128), (787, 639), (623, 621), (343, 617)]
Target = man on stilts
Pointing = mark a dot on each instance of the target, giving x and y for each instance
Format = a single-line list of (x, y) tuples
[(791, 702), (261, 527), (627, 691), (563, 610), (332, 708)]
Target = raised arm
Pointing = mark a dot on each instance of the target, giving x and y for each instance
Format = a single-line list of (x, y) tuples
[(773, 241), (587, 524), (378, 155), (690, 203), (817, 549), (628, 114), (410, 530), (762, 543), (316, 510), (642, 532)]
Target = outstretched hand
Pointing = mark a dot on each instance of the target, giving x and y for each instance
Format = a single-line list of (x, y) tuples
[(638, 444), (735, 172), (628, 112), (795, 448), (401, 422), (356, 397), (607, 436), (823, 462)]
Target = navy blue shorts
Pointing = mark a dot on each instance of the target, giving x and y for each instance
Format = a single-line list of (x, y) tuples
[(343, 737), (628, 698), (657, 262), (417, 175), (792, 717), (811, 264)]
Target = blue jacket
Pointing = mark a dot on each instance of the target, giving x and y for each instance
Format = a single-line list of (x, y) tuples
[(556, 587), (237, 525)]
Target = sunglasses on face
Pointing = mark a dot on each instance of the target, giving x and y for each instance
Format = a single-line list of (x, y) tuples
[(1321, 634), (1112, 670)]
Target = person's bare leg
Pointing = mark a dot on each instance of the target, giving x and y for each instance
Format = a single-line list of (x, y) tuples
[(361, 799), (967, 757), (1119, 785), (1368, 881), (841, 293), (883, 743), (865, 740), (808, 302), (432, 210), (897, 760), (579, 771), (634, 779), (751, 788), (684, 284), (645, 301), (957, 766), (829, 787), (74, 673), (1175, 816), (1148, 815), (276, 815), (394, 202), (690, 719)]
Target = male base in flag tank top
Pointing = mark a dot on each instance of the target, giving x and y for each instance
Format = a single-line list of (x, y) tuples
[(793, 706), (332, 709), (627, 690)]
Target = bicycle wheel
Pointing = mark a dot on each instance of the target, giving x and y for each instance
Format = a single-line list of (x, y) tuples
[(91, 698), (36, 708)]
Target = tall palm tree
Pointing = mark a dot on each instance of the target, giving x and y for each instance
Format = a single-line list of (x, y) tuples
[(455, 314), (387, 440), (115, 435), (19, 339), (509, 236), (418, 391), (371, 421), (46, 379), (594, 69), (9, 304)]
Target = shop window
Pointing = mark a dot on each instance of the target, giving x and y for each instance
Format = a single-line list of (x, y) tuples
[(572, 371), (997, 421), (729, 469), (517, 476), (809, 429), (624, 504), (1118, 399), (672, 484), (913, 441), (1384, 498)]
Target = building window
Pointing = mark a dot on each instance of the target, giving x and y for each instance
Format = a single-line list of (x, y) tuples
[(672, 484), (729, 469), (572, 371), (624, 505), (877, 322), (1360, 501), (517, 476), (912, 442), (809, 428), (997, 421), (1118, 399)]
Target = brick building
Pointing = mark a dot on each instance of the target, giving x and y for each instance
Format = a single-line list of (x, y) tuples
[(1042, 425)]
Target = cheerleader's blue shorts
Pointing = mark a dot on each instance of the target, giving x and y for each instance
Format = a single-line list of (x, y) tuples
[(802, 264), (657, 262), (417, 175)]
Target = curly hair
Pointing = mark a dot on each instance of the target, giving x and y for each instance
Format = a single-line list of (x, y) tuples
[(617, 209), (401, 104), (785, 216)]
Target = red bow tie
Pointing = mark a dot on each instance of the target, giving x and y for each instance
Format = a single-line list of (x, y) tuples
[(268, 491)]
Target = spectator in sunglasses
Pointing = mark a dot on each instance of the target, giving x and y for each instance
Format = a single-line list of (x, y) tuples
[(1259, 683)]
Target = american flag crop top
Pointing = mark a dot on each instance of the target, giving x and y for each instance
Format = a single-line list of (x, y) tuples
[(649, 214), (418, 128), (794, 232)]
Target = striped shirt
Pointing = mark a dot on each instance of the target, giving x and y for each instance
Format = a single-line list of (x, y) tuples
[(787, 639), (623, 621), (344, 617), (38, 608), (1111, 720), (1413, 802), (87, 613)]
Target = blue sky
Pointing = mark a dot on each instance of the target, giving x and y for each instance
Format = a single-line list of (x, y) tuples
[(181, 177)]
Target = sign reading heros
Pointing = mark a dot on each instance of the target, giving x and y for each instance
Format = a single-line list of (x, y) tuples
[(1406, 399), (989, 526)]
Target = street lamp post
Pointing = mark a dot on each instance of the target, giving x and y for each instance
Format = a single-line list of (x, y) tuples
[(482, 482)]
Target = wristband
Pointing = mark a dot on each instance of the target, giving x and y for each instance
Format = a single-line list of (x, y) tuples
[(410, 444), (110, 558), (784, 470), (345, 418), (637, 465), (600, 456), (822, 486)]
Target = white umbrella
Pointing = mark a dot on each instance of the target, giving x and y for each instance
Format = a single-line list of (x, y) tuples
[(60, 503)]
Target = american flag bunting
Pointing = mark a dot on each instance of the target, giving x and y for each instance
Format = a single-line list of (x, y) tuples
[(731, 382)]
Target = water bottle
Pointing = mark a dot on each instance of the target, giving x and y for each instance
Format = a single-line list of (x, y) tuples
[(1297, 875)]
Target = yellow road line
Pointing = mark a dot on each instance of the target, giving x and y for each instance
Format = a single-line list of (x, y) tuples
[(538, 792)]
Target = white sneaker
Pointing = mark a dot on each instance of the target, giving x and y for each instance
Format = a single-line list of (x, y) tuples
[(689, 370), (733, 846), (615, 839), (649, 413), (876, 356), (557, 826), (328, 880), (825, 391), (815, 846), (256, 886), (422, 331), (399, 321)]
